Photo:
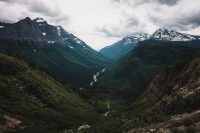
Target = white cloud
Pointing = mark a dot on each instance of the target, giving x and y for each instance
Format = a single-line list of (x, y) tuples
[(101, 22)]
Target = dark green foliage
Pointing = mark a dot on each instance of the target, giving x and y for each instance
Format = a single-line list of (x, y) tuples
[(2, 119), (129, 77), (39, 101), (164, 97), (74, 66)]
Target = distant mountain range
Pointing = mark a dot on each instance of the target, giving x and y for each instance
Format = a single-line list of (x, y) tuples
[(52, 49), (127, 43)]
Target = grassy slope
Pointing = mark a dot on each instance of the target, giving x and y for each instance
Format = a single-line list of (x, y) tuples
[(39, 101)]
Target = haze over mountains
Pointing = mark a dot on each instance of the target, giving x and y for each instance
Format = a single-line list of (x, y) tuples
[(52, 81)]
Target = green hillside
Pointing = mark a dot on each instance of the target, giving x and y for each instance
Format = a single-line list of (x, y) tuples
[(170, 103), (173, 91), (74, 66), (129, 77), (41, 103)]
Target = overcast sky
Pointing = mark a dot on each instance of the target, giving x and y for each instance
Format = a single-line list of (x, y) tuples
[(102, 22)]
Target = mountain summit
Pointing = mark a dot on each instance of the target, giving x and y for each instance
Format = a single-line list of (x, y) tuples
[(127, 43), (36, 30), (53, 49), (171, 35)]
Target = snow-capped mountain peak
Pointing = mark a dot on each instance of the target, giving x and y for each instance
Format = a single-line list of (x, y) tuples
[(40, 21), (39, 30), (135, 38), (171, 35)]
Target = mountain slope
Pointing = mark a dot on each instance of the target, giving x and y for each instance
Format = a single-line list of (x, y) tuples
[(172, 97), (52, 49), (169, 104), (128, 77), (38, 102), (122, 47)]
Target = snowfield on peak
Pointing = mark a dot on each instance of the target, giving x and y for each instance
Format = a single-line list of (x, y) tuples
[(171, 35), (44, 34), (40, 20), (135, 38)]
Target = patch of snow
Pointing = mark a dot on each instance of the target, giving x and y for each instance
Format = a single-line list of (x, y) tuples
[(51, 41), (40, 20), (58, 30), (44, 34), (70, 47), (83, 127), (77, 40), (1, 26)]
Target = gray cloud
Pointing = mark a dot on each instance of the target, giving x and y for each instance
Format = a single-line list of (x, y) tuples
[(180, 22), (169, 2), (37, 7), (124, 27), (149, 15), (133, 21), (108, 32), (118, 18), (141, 2)]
